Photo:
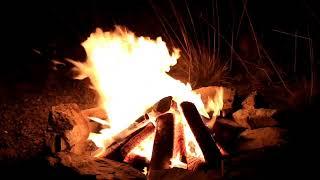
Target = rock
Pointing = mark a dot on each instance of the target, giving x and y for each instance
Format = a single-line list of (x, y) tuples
[(99, 168), (241, 117), (262, 118), (261, 138), (255, 118), (70, 129), (262, 112), (95, 112), (249, 102), (262, 122), (211, 91)]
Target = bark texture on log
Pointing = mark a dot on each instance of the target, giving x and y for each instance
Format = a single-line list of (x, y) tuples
[(137, 139), (98, 168), (200, 131), (195, 163), (124, 136), (163, 105), (163, 142), (70, 129)]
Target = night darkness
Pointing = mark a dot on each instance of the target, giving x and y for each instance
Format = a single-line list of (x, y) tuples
[(35, 33), (57, 28)]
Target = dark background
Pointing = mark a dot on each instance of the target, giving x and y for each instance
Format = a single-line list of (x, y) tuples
[(56, 28)]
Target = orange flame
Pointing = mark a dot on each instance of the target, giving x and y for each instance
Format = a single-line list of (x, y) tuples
[(130, 75)]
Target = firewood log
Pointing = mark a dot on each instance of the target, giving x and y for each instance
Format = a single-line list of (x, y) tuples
[(137, 139), (121, 138), (179, 142), (163, 142), (163, 105), (205, 140)]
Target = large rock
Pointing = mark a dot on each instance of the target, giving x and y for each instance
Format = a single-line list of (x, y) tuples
[(261, 138), (69, 129), (252, 118), (99, 168), (241, 117), (262, 118), (249, 102), (255, 118)]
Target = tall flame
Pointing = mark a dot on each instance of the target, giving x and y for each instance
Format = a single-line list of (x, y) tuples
[(130, 75)]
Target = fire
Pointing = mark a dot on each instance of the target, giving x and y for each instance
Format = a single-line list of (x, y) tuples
[(130, 75), (176, 162), (216, 104), (144, 149)]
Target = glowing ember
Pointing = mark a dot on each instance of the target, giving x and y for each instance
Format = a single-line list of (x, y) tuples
[(130, 75), (176, 162), (144, 149)]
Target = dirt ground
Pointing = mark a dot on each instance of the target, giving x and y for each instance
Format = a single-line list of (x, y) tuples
[(24, 111)]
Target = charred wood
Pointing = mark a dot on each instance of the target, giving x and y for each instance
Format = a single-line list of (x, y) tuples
[(163, 142), (202, 134)]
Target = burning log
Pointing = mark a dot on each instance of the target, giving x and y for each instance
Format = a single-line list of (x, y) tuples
[(206, 142), (179, 141), (195, 163), (163, 105), (70, 129), (123, 137), (137, 139), (163, 143)]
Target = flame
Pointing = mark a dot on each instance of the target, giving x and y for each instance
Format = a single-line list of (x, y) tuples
[(130, 75), (176, 162), (145, 171), (144, 149), (215, 105)]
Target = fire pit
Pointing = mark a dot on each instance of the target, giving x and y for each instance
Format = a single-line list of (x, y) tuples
[(183, 129)]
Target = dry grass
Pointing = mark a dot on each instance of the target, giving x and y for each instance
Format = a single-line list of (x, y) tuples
[(200, 63), (205, 61)]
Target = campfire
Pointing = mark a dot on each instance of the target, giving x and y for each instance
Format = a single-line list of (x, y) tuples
[(145, 117)]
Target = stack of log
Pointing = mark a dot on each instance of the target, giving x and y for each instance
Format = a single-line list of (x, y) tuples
[(70, 128)]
